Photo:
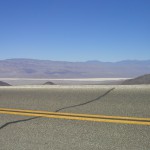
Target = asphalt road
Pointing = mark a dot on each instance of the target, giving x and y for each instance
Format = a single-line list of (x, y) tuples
[(30, 132)]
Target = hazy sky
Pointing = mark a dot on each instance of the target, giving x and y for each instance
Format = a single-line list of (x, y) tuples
[(75, 30)]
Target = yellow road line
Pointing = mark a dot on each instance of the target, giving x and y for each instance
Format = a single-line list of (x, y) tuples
[(73, 114), (85, 117)]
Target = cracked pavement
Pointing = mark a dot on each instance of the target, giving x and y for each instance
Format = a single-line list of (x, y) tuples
[(44, 133), (58, 110)]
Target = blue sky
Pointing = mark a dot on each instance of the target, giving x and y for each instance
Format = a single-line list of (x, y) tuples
[(75, 30)]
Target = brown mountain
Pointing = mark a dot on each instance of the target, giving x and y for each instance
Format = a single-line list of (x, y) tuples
[(4, 84), (49, 83), (145, 79)]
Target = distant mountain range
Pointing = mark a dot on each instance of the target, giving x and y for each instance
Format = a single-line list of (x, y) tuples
[(30, 68)]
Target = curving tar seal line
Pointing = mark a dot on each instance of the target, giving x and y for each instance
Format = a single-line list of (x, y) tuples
[(18, 121), (98, 98), (81, 104)]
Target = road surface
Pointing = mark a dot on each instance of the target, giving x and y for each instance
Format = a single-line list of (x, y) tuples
[(75, 117)]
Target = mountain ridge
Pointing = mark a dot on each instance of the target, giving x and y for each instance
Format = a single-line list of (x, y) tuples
[(144, 79), (35, 68)]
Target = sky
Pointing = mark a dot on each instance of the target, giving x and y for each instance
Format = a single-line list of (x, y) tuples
[(75, 30)]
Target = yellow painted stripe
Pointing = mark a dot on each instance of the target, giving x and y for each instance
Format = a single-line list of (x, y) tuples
[(73, 114), (79, 118), (85, 117)]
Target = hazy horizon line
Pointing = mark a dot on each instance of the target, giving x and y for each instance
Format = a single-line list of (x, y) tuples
[(90, 60)]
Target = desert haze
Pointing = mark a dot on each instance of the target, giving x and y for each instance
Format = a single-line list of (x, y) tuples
[(31, 68)]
